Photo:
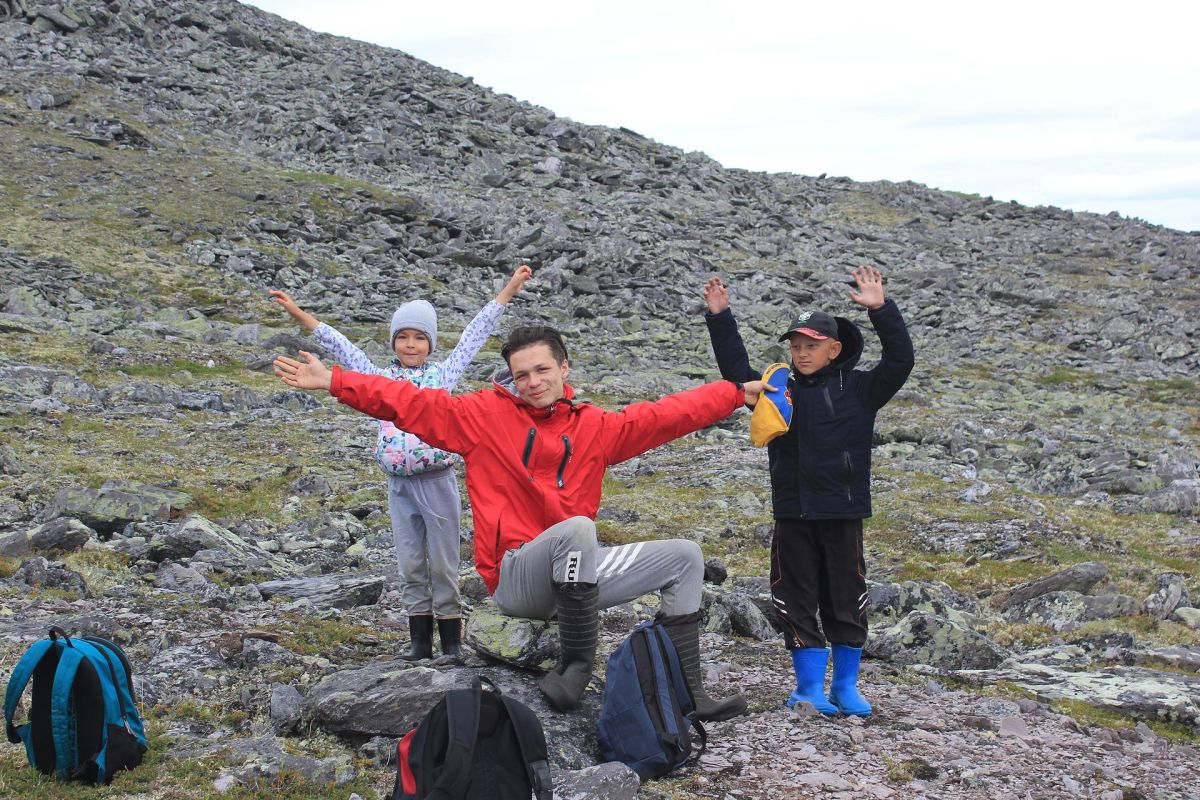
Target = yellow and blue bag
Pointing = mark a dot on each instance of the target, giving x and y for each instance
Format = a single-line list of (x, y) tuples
[(773, 414)]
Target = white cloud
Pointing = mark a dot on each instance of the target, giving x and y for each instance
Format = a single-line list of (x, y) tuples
[(1082, 105)]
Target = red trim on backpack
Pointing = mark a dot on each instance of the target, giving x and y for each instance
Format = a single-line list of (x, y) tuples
[(408, 781)]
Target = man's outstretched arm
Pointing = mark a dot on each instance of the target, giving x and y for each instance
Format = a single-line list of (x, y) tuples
[(644, 426), (431, 414)]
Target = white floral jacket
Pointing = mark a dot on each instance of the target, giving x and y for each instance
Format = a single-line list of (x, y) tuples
[(399, 452)]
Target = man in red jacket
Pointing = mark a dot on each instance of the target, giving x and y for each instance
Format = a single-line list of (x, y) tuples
[(535, 465)]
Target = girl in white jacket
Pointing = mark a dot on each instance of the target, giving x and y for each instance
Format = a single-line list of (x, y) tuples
[(423, 497)]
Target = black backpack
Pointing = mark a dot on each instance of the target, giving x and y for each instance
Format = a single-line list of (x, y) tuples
[(475, 744), (83, 719), (648, 715)]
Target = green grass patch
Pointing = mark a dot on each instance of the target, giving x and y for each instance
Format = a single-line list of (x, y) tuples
[(190, 710), (9, 566), (19, 780), (909, 769), (169, 372), (99, 558), (254, 497), (860, 207), (1087, 714), (313, 636), (1083, 713), (162, 777)]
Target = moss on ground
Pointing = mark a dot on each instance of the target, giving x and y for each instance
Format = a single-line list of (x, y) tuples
[(863, 208), (162, 777), (335, 639)]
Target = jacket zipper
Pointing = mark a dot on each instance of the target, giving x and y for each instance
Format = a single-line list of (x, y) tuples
[(566, 440), (529, 437), (849, 472), (828, 399)]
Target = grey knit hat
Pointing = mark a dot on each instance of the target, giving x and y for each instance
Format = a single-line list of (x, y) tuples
[(417, 315)]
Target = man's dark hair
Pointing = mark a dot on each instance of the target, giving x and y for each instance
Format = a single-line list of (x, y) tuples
[(529, 335)]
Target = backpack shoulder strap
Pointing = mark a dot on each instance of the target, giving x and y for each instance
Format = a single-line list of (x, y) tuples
[(532, 741), (61, 725), (125, 689), (21, 674), (462, 726), (682, 689)]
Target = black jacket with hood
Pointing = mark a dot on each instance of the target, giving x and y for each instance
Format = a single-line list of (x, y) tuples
[(821, 468)]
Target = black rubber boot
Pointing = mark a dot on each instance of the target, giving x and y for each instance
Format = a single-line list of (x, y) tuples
[(450, 633), (578, 628), (420, 632), (684, 630)]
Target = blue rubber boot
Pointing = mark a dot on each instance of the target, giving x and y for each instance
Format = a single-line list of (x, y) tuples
[(843, 689), (810, 663)]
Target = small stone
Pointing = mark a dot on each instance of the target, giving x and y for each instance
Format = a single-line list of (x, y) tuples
[(1014, 726)]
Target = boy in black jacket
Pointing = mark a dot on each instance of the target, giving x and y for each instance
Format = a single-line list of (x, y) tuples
[(821, 479)]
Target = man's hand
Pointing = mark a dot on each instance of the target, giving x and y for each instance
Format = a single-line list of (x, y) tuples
[(307, 374), (754, 390), (870, 287), (515, 283), (716, 295)]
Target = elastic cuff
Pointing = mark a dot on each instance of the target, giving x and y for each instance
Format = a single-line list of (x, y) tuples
[(335, 382)]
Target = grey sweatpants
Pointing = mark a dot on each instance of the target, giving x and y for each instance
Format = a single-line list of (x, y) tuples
[(569, 553), (425, 512)]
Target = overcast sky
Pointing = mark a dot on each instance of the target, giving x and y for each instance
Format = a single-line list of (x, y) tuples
[(1087, 106)]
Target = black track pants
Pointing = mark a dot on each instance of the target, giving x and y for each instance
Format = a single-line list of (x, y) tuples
[(818, 571)]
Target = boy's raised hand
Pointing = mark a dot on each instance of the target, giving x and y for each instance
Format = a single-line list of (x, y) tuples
[(307, 374), (515, 284), (870, 287), (716, 295)]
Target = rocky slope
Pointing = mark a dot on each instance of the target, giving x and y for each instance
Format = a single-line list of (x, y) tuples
[(1037, 494)]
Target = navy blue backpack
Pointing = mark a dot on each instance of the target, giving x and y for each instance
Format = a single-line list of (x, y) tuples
[(648, 715), (83, 723)]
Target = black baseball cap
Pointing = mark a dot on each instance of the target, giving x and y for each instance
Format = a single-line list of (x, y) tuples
[(816, 324)]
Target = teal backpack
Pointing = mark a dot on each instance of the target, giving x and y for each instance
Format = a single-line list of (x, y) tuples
[(83, 723)]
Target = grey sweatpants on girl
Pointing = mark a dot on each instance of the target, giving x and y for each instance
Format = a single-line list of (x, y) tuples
[(569, 553), (425, 510)]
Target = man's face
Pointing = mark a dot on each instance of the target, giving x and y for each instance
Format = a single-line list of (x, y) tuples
[(811, 355), (539, 378)]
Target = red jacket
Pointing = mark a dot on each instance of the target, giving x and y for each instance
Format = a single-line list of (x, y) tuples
[(528, 468)]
